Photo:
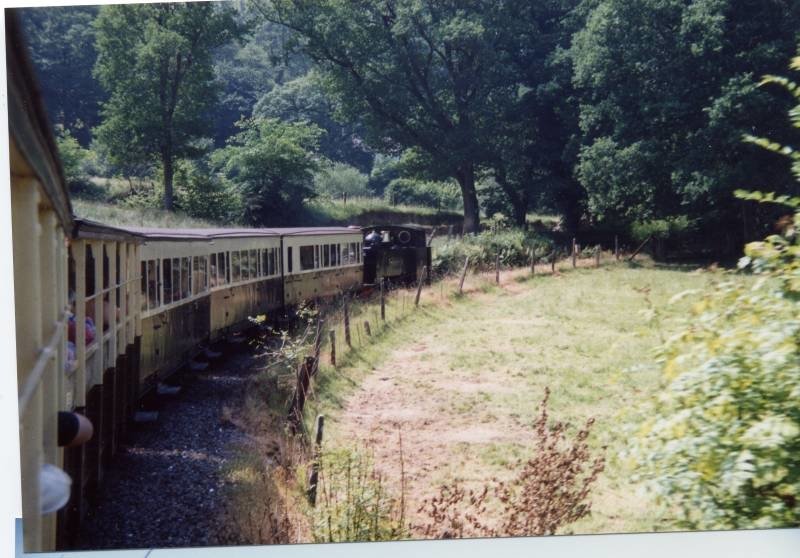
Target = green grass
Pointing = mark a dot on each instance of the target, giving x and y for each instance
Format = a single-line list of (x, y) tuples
[(120, 215), (369, 211), (478, 364)]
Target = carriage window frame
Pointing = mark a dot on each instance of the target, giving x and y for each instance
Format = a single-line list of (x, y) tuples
[(308, 257)]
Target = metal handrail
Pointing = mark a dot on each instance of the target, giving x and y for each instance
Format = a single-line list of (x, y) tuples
[(37, 372)]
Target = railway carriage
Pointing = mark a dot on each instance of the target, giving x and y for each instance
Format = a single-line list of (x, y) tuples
[(199, 285), (320, 262)]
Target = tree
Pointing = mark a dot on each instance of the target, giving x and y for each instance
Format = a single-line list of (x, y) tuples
[(666, 91), (273, 164), (419, 73), (721, 441), (251, 68), (155, 61), (61, 43), (304, 99)]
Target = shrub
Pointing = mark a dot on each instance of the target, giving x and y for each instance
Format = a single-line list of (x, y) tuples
[(338, 179), (513, 245), (723, 437), (441, 195), (204, 195), (353, 502), (550, 490), (72, 156)]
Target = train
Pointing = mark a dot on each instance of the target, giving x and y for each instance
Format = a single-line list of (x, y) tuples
[(104, 314)]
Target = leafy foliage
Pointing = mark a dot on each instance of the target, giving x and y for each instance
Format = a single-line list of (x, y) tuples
[(72, 156), (273, 164), (723, 438), (439, 195), (337, 179), (205, 195), (513, 246), (155, 61), (667, 90)]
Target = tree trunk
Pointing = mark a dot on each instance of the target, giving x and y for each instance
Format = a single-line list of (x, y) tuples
[(466, 180), (519, 200), (169, 171)]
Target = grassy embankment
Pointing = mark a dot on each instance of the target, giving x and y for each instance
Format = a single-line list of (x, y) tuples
[(461, 377), (112, 201)]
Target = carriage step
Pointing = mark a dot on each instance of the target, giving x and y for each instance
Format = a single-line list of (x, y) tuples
[(212, 354), (143, 417), (195, 366), (164, 389)]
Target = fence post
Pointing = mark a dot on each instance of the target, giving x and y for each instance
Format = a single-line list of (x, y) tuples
[(314, 478), (574, 252), (383, 304), (344, 196), (347, 324), (366, 328), (463, 276), (301, 388), (449, 232), (317, 345), (533, 263), (616, 247), (419, 284), (497, 267), (553, 262), (597, 256), (332, 335)]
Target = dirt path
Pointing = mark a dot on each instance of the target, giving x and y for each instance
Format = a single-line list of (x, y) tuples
[(446, 418)]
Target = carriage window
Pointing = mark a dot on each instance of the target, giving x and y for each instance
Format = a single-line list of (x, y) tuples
[(273, 261), (358, 252), (253, 264), (212, 270), (222, 268), (289, 260), (186, 286), (236, 270), (245, 264), (153, 292), (143, 287), (307, 257), (316, 257), (338, 254), (166, 273), (326, 258), (199, 274)]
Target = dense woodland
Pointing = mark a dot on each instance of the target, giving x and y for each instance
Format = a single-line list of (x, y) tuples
[(619, 116)]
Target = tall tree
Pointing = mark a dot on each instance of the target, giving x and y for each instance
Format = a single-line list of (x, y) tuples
[(668, 89), (61, 43), (155, 61), (420, 73), (304, 99)]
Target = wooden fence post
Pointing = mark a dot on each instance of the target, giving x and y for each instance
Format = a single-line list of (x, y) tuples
[(597, 256), (497, 268), (383, 304), (313, 480), (367, 329), (463, 276), (347, 325), (642, 245), (419, 284), (553, 262), (317, 345), (533, 263), (332, 335), (345, 198), (449, 232), (574, 252), (616, 247), (295, 414)]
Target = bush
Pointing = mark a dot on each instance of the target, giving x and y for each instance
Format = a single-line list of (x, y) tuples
[(550, 490), (72, 156), (204, 195), (441, 195), (338, 179), (513, 245), (724, 435)]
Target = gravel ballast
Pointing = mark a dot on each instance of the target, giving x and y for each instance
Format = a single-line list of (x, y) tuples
[(164, 487)]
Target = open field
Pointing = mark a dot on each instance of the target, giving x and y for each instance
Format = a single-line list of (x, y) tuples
[(461, 377)]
